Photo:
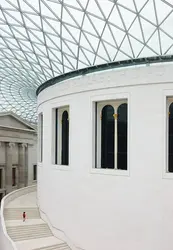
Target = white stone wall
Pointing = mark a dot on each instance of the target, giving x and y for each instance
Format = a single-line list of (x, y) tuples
[(99, 210)]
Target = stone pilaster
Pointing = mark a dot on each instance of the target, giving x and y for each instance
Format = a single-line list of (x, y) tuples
[(22, 164), (9, 163)]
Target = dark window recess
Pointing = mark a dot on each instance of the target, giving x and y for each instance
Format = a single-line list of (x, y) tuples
[(13, 177), (56, 136), (0, 178), (122, 137), (41, 134), (170, 139), (107, 137), (65, 139), (1, 196), (34, 172)]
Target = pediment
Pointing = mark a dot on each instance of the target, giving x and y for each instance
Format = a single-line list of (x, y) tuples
[(10, 120)]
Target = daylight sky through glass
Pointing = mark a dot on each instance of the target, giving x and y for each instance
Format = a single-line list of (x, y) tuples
[(41, 39)]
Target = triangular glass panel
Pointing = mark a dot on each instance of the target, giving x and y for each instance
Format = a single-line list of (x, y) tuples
[(53, 41), (146, 52), (66, 34), (106, 7), (128, 4), (40, 50), (55, 55), (84, 42), (170, 51), (149, 12), (46, 11), (12, 43), (118, 35), (19, 55), (100, 61), (166, 42), (98, 24), (73, 47), (25, 7), (88, 26), (137, 46), (103, 53), (115, 18), (140, 4), (11, 5), (67, 17), (57, 67), (67, 63), (13, 17), (148, 29), (94, 9), (89, 55), (75, 31), (120, 56), (83, 3), (126, 48), (128, 17), (44, 62), (72, 3), (107, 36), (35, 4), (167, 25), (18, 34), (55, 8), (93, 41), (77, 14), (21, 31), (83, 58), (53, 26), (153, 43), (36, 20), (26, 45), (136, 31), (36, 37), (163, 10), (30, 23), (66, 49), (111, 50)]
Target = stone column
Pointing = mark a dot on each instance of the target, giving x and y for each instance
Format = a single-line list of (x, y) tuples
[(9, 164), (26, 165), (22, 164)]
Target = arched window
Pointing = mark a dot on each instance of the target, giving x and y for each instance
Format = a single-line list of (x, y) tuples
[(122, 137), (107, 137), (65, 139), (170, 139)]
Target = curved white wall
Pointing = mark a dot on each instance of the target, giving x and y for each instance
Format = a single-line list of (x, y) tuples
[(107, 211)]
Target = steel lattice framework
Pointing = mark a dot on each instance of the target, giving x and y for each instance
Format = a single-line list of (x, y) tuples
[(40, 39)]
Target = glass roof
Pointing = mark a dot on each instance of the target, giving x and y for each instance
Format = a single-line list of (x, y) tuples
[(40, 39)]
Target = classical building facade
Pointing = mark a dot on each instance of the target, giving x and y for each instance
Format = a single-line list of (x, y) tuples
[(18, 153)]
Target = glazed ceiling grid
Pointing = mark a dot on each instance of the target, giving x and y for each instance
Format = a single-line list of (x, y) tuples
[(40, 39)]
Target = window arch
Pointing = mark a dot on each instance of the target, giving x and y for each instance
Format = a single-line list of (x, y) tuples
[(107, 137), (61, 132), (170, 139), (65, 139), (122, 137), (111, 133)]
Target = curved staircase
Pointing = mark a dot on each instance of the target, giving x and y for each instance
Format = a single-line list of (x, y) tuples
[(34, 233)]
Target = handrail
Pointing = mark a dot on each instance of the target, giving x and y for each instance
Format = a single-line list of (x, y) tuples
[(6, 199), (102, 67)]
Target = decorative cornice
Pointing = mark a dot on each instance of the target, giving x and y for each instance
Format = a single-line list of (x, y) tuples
[(102, 67)]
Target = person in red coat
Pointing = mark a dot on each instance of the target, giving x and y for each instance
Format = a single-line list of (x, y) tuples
[(24, 216)]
